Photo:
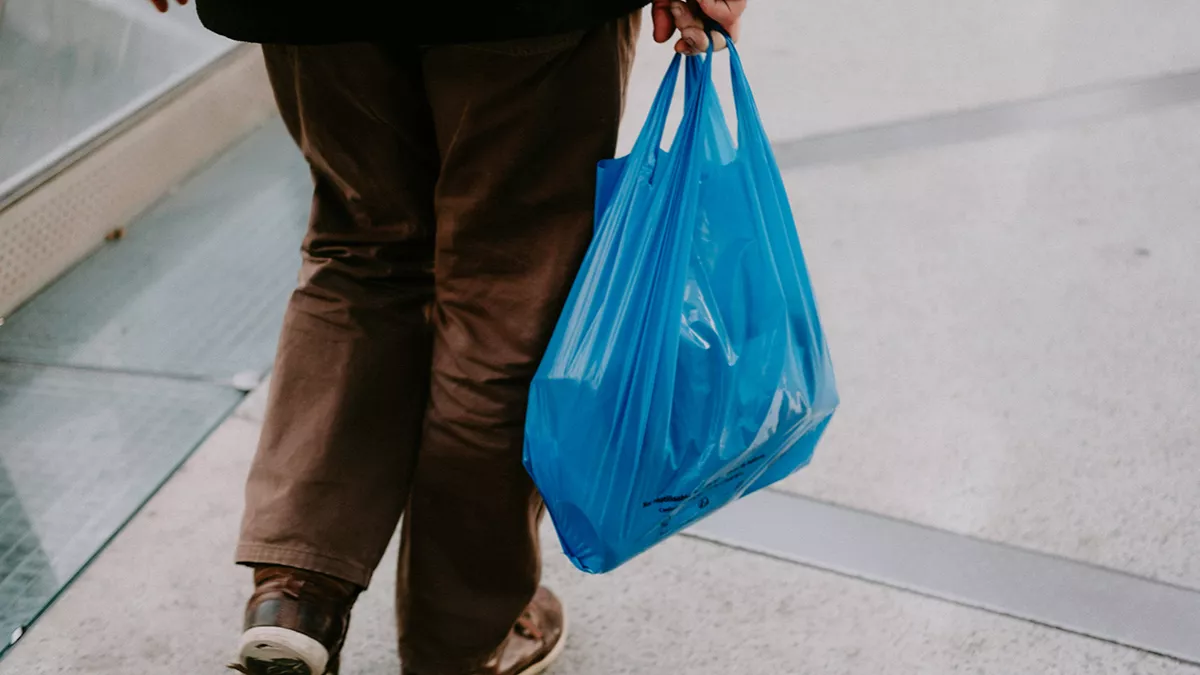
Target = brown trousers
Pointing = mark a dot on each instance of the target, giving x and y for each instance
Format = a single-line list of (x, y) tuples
[(452, 207)]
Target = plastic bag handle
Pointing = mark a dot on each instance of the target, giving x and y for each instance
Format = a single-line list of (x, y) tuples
[(699, 78), (656, 121), (749, 121)]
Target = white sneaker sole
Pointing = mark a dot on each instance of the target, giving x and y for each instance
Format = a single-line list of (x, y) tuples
[(545, 664), (276, 648), (274, 645)]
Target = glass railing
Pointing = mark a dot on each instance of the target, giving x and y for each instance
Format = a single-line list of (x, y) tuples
[(72, 70)]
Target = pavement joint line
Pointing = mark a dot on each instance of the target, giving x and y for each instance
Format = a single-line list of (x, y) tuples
[(131, 372), (1060, 109)]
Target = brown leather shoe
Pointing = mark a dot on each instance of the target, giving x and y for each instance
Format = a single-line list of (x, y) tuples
[(296, 622), (535, 642)]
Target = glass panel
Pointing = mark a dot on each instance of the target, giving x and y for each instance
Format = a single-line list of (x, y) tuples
[(81, 452), (69, 69)]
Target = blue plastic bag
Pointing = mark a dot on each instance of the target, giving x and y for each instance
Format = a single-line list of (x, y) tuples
[(689, 367)]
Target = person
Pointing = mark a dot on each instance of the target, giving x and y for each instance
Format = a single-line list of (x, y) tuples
[(453, 149)]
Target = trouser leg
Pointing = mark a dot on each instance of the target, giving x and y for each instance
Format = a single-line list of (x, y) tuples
[(351, 379), (520, 127)]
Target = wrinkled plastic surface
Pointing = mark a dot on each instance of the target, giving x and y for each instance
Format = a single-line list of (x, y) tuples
[(689, 367)]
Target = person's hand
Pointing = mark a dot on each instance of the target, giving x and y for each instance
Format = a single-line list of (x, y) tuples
[(687, 17), (164, 5)]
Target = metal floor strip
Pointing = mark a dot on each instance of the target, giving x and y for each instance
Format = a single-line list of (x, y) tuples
[(1074, 596), (1070, 107)]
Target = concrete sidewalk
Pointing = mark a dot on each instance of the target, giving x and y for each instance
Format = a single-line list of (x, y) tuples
[(164, 598)]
